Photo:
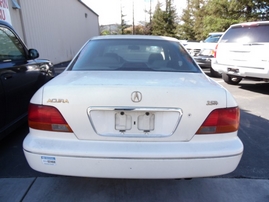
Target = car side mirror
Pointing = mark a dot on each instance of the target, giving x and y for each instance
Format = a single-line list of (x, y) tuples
[(33, 54)]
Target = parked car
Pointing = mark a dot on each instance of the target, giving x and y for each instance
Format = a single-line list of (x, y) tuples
[(242, 52), (183, 42), (21, 75), (133, 107), (210, 42), (203, 52)]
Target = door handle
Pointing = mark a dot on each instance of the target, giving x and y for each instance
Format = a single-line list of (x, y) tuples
[(9, 76)]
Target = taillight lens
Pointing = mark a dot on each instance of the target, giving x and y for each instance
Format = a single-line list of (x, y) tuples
[(221, 121), (251, 24), (47, 118), (215, 51)]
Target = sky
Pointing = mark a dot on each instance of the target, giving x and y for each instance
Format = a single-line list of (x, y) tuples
[(109, 11)]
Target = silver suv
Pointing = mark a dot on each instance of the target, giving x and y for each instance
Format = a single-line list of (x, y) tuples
[(242, 52)]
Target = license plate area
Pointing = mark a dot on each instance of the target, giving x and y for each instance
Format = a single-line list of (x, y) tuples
[(134, 122), (126, 120)]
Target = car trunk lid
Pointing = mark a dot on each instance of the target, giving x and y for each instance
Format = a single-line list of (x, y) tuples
[(103, 105)]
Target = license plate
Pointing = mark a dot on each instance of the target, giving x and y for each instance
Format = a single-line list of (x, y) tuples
[(142, 121), (134, 122)]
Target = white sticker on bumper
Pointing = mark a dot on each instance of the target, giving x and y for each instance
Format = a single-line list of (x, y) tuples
[(48, 160)]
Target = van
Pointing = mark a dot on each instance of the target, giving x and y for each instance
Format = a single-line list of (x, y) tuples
[(242, 52)]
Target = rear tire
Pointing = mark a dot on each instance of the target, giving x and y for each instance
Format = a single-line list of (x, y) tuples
[(214, 73), (231, 80)]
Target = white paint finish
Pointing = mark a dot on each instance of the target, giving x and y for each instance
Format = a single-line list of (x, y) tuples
[(186, 91), (90, 102), (201, 146), (136, 168), (248, 57)]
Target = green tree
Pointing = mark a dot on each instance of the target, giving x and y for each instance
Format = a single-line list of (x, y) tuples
[(252, 10), (158, 21), (148, 25), (105, 32), (123, 24), (204, 16), (171, 19), (192, 23), (139, 29), (199, 12), (221, 14), (186, 28), (164, 22)]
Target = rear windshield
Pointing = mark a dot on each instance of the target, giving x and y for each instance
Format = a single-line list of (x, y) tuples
[(213, 38), (247, 34), (133, 55)]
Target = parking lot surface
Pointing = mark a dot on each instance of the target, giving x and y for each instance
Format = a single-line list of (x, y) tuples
[(249, 182), (88, 189)]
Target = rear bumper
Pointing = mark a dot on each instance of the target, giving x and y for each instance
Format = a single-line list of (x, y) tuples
[(147, 160), (241, 71)]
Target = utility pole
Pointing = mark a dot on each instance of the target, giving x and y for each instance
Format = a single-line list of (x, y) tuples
[(133, 20), (150, 12), (123, 25)]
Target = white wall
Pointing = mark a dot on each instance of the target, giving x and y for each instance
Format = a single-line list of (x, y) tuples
[(56, 28)]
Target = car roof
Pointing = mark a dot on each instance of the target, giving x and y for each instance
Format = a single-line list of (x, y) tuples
[(254, 23), (5, 23), (216, 33), (148, 37)]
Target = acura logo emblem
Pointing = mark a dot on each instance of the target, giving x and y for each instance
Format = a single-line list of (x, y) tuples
[(136, 96)]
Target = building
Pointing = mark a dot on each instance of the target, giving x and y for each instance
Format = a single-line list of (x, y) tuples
[(57, 29)]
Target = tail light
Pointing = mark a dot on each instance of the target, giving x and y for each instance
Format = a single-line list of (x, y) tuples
[(47, 118), (221, 121), (215, 51), (250, 24)]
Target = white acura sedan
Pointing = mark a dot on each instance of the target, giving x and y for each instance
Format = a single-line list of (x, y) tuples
[(133, 107)]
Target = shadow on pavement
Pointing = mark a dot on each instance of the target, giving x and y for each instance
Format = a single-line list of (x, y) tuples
[(12, 160), (254, 134), (259, 87)]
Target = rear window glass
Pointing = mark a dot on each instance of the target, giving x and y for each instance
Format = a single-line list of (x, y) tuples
[(247, 34), (213, 38), (133, 55)]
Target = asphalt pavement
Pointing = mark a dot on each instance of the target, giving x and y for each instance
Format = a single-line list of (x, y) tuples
[(61, 188), (91, 189)]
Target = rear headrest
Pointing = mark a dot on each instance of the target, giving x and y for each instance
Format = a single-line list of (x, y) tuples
[(115, 55), (154, 56)]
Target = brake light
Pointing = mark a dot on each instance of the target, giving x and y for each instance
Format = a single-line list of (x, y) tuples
[(48, 118), (215, 51), (221, 121), (251, 24)]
